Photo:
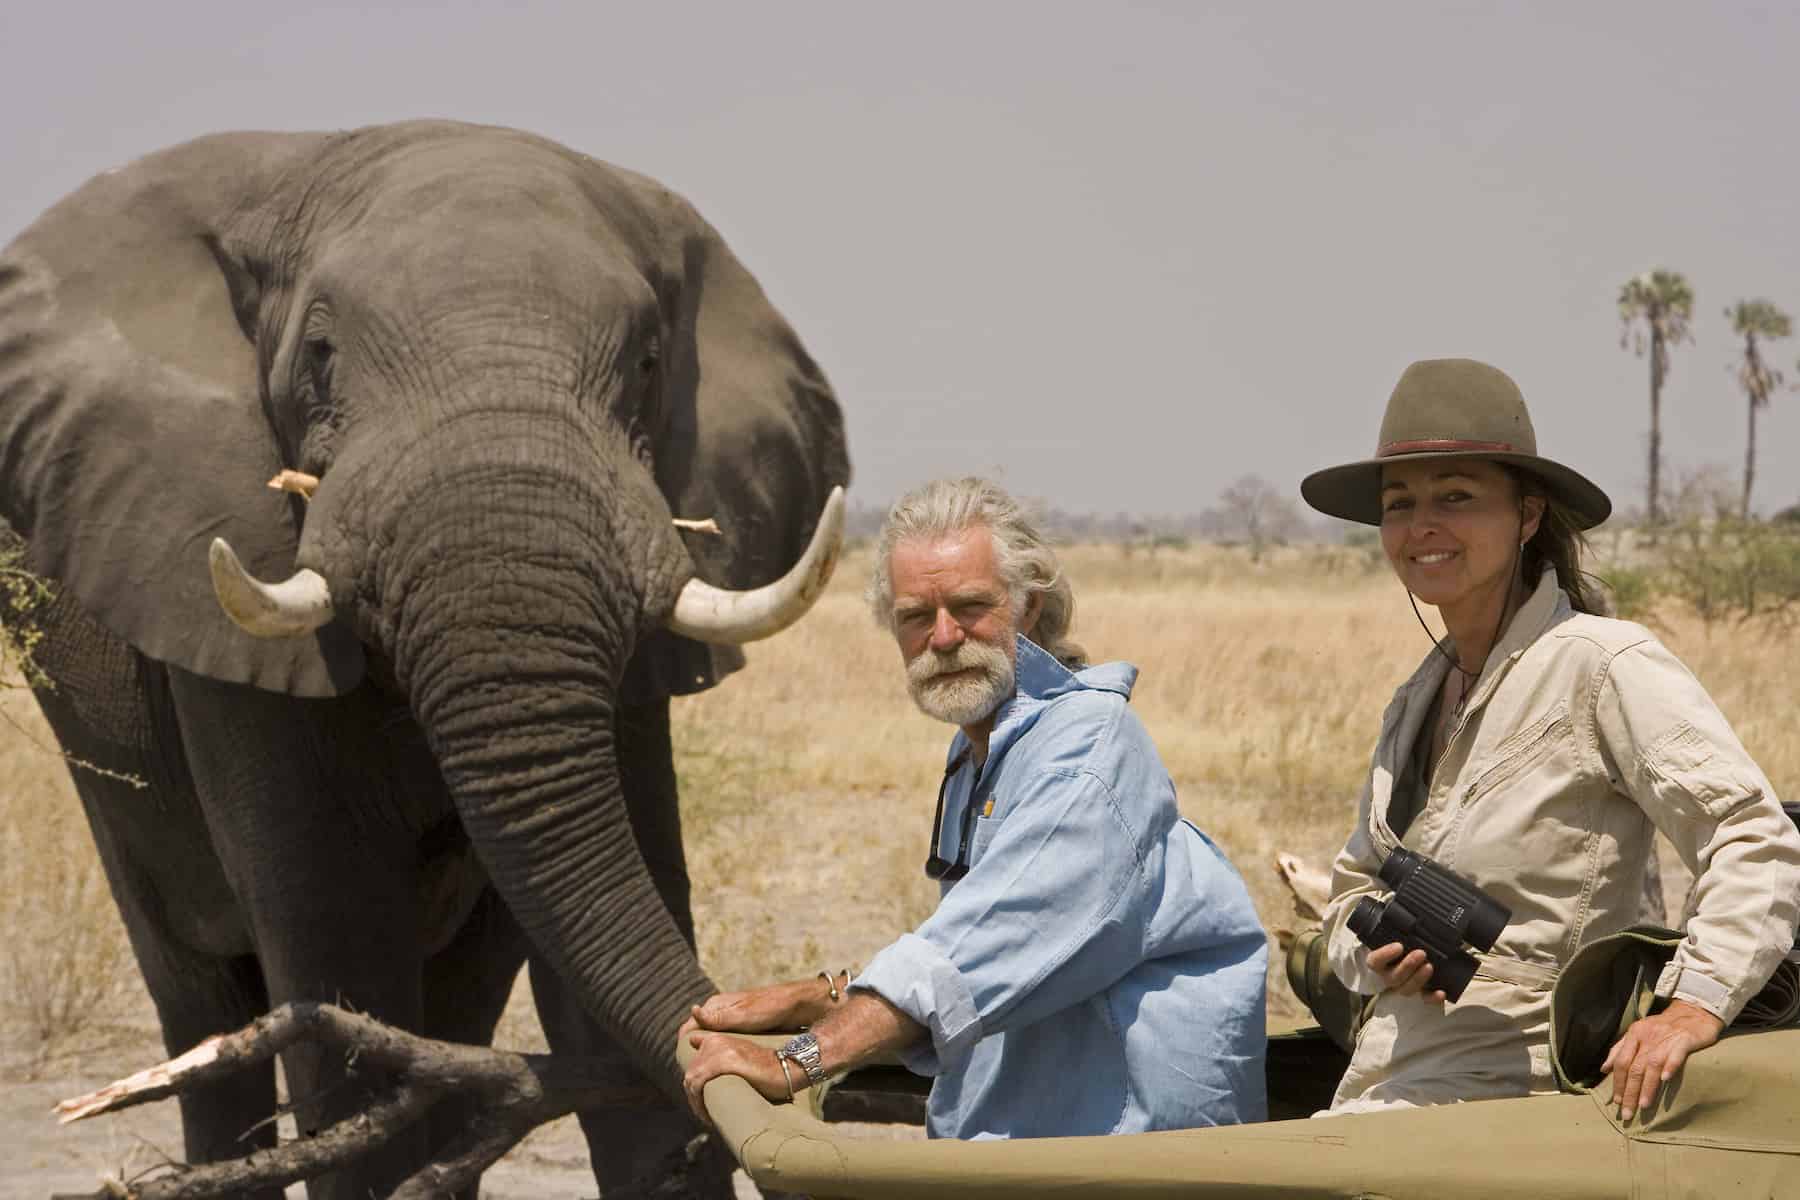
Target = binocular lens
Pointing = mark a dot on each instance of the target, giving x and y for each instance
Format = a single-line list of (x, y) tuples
[(1364, 918)]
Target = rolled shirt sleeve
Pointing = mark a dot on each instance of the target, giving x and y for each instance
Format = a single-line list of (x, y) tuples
[(1053, 911), (1667, 746), (914, 976)]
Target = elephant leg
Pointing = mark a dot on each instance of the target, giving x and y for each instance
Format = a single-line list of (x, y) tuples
[(110, 709), (196, 994), (314, 839), (626, 1145), (467, 984)]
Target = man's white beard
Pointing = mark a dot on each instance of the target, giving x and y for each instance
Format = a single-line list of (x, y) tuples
[(965, 699)]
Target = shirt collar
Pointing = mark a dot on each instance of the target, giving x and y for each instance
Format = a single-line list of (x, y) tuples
[(1546, 607), (1039, 678), (1536, 615)]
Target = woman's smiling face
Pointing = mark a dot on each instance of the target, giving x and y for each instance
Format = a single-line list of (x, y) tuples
[(1452, 528)]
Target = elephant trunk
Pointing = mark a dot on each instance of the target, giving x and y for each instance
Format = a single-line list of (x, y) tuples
[(508, 609), (529, 755)]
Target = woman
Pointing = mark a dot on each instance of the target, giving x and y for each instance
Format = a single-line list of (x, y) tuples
[(1536, 751)]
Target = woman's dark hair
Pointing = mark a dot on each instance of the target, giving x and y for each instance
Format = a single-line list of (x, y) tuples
[(1558, 543)]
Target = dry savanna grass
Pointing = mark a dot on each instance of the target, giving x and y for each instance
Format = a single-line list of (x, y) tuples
[(808, 780), (66, 971)]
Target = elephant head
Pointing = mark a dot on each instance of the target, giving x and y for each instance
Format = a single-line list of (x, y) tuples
[(508, 366)]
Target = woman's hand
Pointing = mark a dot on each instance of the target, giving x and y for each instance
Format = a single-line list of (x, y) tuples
[(722, 1054), (1403, 974), (1653, 1049), (781, 1006)]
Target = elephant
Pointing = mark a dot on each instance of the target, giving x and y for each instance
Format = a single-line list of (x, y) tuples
[(494, 372)]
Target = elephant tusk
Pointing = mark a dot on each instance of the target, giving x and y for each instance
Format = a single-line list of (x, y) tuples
[(709, 614), (706, 526), (299, 605), (297, 482)]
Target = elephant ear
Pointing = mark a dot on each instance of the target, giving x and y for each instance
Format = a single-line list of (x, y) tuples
[(132, 431), (754, 437)]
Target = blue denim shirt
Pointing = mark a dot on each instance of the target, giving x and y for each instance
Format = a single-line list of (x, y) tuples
[(1100, 969)]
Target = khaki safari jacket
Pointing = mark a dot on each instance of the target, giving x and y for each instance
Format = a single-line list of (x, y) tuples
[(1581, 736)]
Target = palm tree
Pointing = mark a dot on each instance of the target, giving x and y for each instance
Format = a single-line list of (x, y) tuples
[(1664, 302), (1756, 319)]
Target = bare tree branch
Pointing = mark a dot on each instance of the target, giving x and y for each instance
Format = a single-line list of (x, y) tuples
[(522, 1091)]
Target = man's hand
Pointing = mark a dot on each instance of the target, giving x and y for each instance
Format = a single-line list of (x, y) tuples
[(1404, 974), (1653, 1049), (779, 1006), (722, 1054), (862, 1027)]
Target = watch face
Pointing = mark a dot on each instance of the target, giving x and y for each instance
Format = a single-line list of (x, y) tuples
[(804, 1050)]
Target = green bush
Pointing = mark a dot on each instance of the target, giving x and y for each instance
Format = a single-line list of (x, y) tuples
[(1728, 569)]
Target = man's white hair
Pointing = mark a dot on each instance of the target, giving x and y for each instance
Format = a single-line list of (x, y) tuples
[(1028, 564)]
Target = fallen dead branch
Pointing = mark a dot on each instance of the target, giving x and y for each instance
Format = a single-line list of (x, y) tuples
[(519, 1093)]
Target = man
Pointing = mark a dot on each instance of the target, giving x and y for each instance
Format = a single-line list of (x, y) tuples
[(1094, 964)]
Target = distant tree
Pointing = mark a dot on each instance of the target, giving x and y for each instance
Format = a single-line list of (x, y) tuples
[(1756, 319), (1701, 495), (1655, 309), (1255, 508)]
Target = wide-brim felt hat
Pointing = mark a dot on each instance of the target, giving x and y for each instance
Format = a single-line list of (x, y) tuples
[(1445, 408)]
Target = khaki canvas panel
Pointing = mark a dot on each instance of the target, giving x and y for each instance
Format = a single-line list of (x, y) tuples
[(1729, 1125)]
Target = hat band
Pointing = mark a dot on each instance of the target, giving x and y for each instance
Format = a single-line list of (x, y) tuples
[(1443, 445)]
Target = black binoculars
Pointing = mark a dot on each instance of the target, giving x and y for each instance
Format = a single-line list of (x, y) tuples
[(1435, 910)]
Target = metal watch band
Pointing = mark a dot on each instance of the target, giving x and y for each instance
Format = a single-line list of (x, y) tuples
[(803, 1049)]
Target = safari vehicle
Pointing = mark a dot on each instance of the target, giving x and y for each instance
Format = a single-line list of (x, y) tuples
[(1727, 1126)]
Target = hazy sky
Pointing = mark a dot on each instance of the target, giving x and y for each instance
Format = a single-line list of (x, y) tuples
[(1121, 253)]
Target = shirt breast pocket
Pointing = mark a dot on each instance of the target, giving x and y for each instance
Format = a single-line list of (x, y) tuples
[(985, 828)]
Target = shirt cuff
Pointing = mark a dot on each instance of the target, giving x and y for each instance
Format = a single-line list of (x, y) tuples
[(916, 978), (1678, 982)]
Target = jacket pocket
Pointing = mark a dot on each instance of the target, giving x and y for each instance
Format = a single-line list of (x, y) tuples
[(1519, 753), (1685, 761)]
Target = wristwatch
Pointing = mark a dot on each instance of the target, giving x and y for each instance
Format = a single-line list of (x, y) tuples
[(803, 1050)]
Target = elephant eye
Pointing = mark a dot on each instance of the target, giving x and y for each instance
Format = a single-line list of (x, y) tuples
[(319, 356)]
